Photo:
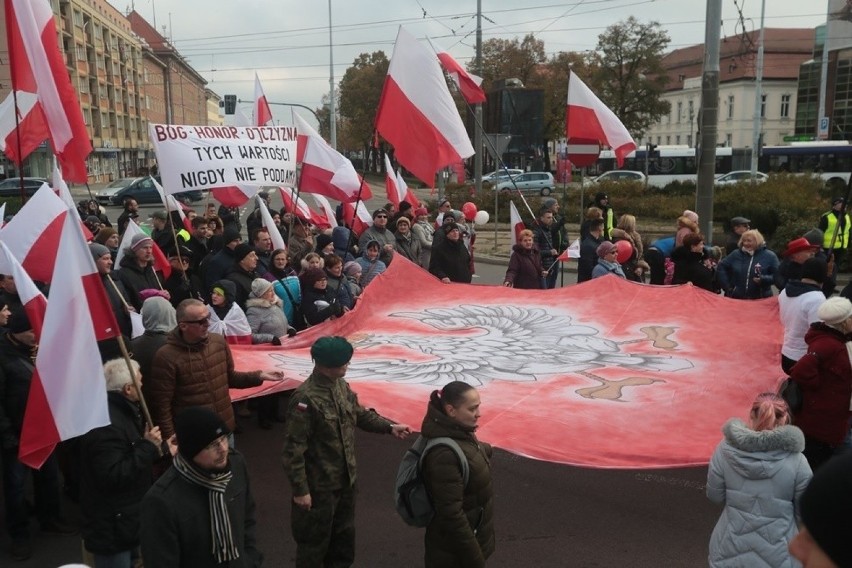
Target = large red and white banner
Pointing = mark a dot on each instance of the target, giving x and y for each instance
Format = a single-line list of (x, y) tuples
[(645, 380), (204, 157)]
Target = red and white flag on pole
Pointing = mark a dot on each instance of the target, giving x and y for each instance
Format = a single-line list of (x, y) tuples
[(33, 233), (573, 251), (37, 66), (359, 222), (68, 390), (468, 83), (326, 208), (262, 112), (172, 204), (587, 117), (31, 297), (417, 114), (299, 208), (396, 187), (29, 122), (161, 261), (325, 170), (61, 189), (236, 195), (274, 233), (516, 223)]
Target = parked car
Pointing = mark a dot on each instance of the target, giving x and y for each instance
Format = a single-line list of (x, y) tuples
[(11, 187), (529, 182), (103, 196), (738, 176), (143, 191), (619, 175), (497, 176)]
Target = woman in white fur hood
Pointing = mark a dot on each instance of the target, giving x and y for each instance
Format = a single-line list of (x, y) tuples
[(758, 472)]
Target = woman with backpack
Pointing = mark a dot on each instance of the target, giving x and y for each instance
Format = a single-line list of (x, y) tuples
[(461, 532)]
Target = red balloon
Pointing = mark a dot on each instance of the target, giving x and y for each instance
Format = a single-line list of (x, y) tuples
[(469, 210), (625, 251)]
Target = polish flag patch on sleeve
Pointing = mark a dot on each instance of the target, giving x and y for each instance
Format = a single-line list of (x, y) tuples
[(302, 407)]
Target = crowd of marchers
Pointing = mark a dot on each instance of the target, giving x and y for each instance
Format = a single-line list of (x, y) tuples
[(174, 491)]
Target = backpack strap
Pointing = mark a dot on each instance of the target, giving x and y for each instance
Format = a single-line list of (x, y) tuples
[(453, 445)]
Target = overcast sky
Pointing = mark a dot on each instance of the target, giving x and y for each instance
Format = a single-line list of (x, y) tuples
[(286, 41)]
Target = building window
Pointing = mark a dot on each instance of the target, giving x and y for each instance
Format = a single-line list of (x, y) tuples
[(730, 107), (677, 139), (658, 139), (679, 110), (147, 102), (84, 86), (689, 140), (668, 140), (691, 110), (87, 116), (80, 52), (785, 106), (729, 140), (763, 105), (78, 19)]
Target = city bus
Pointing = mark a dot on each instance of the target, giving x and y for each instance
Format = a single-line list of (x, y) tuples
[(831, 160)]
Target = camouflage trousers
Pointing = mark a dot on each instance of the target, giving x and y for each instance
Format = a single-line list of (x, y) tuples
[(325, 535)]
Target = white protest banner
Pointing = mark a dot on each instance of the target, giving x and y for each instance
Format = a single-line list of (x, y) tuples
[(204, 157)]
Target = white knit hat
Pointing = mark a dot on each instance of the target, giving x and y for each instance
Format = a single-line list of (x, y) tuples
[(835, 310), (259, 286)]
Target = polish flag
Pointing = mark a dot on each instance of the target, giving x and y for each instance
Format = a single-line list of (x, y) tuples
[(172, 204), (234, 195), (262, 112), (297, 206), (516, 223), (361, 222), (587, 117), (68, 390), (573, 251), (29, 123), (396, 187), (37, 66), (31, 297), (61, 189), (274, 233), (33, 233), (417, 114), (235, 327), (161, 261), (325, 170), (326, 208), (468, 84)]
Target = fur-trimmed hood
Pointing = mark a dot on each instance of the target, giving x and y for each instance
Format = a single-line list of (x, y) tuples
[(759, 455), (263, 303), (687, 223)]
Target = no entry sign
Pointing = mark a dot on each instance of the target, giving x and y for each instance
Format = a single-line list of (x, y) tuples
[(583, 152)]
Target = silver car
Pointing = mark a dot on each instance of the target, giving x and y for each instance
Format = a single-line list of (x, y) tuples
[(529, 182)]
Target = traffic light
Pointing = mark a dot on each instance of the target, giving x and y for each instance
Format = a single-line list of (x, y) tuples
[(653, 153), (230, 104)]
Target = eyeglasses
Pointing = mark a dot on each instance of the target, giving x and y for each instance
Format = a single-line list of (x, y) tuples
[(381, 216), (203, 321)]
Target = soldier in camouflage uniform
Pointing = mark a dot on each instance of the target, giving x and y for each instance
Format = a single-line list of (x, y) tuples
[(319, 457)]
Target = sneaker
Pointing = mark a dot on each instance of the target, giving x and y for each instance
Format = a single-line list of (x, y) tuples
[(21, 550), (57, 527)]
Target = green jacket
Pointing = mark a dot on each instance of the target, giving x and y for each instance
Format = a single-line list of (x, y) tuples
[(319, 448)]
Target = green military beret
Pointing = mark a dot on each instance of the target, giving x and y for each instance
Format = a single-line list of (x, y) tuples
[(331, 351)]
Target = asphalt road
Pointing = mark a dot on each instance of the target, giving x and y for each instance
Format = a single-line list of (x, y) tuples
[(547, 515)]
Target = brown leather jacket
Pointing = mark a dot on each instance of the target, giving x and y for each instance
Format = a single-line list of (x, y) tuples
[(197, 374)]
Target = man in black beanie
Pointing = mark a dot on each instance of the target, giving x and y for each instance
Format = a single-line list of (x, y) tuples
[(319, 456), (823, 539), (201, 512)]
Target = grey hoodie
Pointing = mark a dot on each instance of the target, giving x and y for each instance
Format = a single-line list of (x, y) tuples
[(759, 477)]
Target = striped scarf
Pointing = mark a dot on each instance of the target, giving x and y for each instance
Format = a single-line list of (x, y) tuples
[(224, 547)]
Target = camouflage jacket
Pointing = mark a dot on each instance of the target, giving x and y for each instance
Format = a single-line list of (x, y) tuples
[(319, 448)]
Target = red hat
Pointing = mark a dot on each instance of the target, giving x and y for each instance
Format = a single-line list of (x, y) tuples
[(799, 245)]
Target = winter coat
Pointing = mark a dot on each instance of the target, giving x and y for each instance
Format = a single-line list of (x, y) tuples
[(176, 521), (339, 286), (588, 257), (797, 306), (136, 279), (267, 320), (525, 268), (315, 314), (461, 534), (409, 247), (370, 269), (383, 237), (243, 279), (685, 226), (825, 376), (689, 267), (545, 244), (16, 373), (736, 271), (605, 267), (217, 266), (759, 477), (451, 260), (194, 374), (115, 295), (116, 471), (424, 232), (340, 237)]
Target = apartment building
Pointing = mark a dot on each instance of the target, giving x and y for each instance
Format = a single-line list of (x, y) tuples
[(784, 52)]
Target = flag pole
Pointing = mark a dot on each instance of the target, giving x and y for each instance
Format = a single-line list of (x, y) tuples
[(171, 223)]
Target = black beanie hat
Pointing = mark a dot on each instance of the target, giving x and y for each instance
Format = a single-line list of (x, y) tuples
[(242, 250), (18, 321), (231, 234), (825, 507), (196, 427)]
